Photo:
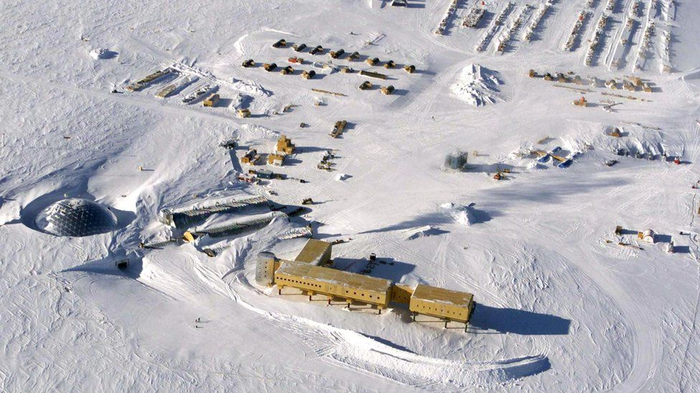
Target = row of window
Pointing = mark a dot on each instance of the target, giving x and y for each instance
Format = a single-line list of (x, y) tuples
[(299, 282), (361, 294), (347, 291), (458, 313)]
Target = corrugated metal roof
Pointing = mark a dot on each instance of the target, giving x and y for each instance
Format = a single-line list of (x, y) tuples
[(335, 277), (312, 251), (440, 295)]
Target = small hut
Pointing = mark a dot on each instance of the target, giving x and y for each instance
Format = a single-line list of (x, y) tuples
[(337, 54), (456, 161), (387, 90), (308, 74), (366, 85)]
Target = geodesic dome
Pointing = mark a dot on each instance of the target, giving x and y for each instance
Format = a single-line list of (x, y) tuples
[(76, 217)]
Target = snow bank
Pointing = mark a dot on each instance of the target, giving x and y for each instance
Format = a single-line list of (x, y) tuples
[(253, 133), (250, 87), (461, 214), (421, 232), (477, 86)]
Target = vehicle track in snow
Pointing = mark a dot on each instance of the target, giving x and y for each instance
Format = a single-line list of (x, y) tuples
[(695, 252)]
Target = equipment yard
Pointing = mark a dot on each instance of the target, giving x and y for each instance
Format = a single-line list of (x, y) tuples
[(350, 195)]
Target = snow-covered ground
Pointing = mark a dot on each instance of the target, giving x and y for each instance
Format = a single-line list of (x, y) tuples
[(561, 306)]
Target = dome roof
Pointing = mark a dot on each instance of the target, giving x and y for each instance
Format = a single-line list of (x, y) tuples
[(76, 217)]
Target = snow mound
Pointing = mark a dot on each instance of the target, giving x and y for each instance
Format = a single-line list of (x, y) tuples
[(461, 214), (101, 53), (477, 86), (251, 88), (253, 133)]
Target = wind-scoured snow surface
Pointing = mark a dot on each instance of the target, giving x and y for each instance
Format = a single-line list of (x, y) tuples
[(561, 306)]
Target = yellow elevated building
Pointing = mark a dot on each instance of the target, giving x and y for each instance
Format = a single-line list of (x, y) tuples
[(442, 303), (334, 283), (315, 252), (308, 274)]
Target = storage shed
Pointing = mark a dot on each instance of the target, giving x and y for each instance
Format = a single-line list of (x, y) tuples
[(456, 161), (387, 90), (211, 100)]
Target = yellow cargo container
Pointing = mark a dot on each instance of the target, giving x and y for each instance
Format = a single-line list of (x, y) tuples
[(334, 283), (211, 100)]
